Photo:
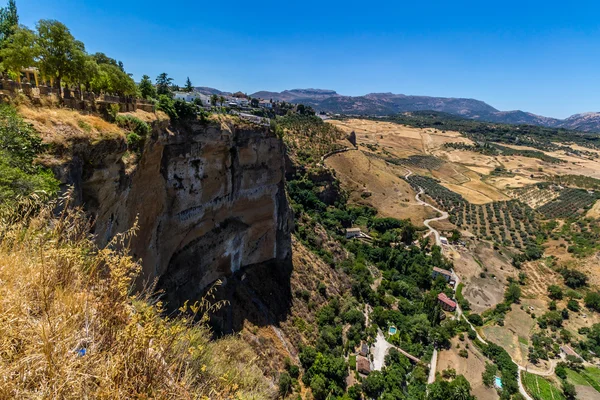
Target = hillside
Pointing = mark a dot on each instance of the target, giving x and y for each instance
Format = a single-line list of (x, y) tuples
[(388, 103)]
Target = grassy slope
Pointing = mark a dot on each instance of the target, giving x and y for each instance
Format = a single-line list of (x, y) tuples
[(60, 294), (540, 388)]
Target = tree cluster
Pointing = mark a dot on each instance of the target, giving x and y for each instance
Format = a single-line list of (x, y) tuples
[(60, 58)]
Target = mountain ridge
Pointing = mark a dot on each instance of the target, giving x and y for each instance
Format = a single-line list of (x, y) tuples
[(388, 103)]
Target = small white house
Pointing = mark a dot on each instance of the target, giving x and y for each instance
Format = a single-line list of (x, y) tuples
[(265, 104), (191, 96), (353, 232)]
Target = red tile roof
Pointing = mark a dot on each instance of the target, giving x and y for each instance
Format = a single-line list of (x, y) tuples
[(443, 298), (442, 271)]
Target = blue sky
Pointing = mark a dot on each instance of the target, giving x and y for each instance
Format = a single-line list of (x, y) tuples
[(541, 57)]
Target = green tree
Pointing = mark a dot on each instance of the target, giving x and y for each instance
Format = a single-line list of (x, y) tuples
[(592, 301), (111, 79), (19, 144), (19, 51), (188, 85), (555, 292), (374, 384), (60, 55), (489, 374), (214, 99), (513, 293), (9, 20), (285, 384), (221, 100), (319, 387), (163, 85), (147, 89), (569, 391)]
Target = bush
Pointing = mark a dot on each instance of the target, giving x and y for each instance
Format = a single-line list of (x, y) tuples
[(285, 384), (573, 305), (133, 124), (574, 279), (134, 347), (112, 110), (592, 301), (463, 353), (555, 292), (19, 145), (134, 141), (475, 319)]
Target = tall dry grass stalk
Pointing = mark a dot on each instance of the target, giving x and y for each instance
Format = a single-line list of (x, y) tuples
[(70, 327)]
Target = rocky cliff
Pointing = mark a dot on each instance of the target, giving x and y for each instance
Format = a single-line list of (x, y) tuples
[(209, 201)]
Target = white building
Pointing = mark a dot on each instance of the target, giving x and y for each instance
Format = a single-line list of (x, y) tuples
[(191, 96), (265, 104)]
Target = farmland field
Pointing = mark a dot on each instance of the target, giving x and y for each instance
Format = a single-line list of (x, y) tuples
[(512, 223), (540, 388), (569, 203)]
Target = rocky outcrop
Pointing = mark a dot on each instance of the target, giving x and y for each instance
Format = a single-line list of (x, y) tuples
[(209, 201)]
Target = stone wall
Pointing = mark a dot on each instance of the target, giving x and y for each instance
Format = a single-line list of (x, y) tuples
[(75, 99)]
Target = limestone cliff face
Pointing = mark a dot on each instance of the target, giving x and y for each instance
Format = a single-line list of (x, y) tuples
[(209, 201)]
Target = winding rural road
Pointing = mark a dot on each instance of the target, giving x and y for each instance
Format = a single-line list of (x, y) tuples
[(436, 233), (444, 214)]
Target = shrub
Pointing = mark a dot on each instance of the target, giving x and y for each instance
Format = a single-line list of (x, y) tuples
[(132, 348), (475, 319), (134, 141), (133, 124), (555, 292), (592, 301), (285, 384), (19, 145), (573, 305), (574, 279), (463, 353), (112, 110)]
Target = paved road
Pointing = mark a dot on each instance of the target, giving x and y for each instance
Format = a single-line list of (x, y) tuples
[(379, 349), (459, 312), (432, 366)]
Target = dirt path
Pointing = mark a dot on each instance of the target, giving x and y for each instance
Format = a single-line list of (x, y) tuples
[(459, 312), (427, 222)]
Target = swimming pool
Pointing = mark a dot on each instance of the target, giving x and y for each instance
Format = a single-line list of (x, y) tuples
[(498, 382), (392, 330)]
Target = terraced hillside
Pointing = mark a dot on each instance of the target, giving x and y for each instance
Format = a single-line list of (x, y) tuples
[(511, 223)]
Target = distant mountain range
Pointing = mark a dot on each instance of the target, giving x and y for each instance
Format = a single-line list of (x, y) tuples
[(389, 103)]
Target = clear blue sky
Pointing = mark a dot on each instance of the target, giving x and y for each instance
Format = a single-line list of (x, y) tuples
[(541, 57)]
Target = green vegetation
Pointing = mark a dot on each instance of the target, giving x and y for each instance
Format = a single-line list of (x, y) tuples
[(589, 376), (19, 145), (309, 137), (580, 181), (592, 301), (581, 234), (540, 388), (493, 149), (489, 374), (457, 389), (63, 59), (539, 137), (49, 264), (462, 302), (406, 296), (513, 223), (508, 369), (422, 162), (570, 202)]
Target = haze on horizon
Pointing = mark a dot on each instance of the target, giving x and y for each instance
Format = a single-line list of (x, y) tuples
[(535, 56)]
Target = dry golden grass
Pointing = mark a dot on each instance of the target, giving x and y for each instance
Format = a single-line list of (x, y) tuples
[(60, 295), (61, 125)]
